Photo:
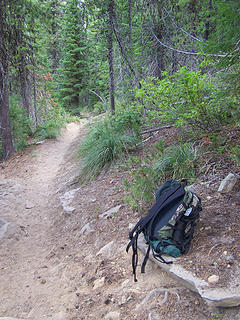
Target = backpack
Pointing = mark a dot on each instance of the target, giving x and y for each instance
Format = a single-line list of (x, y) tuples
[(169, 226)]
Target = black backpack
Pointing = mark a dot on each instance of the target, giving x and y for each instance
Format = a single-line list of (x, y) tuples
[(169, 226)]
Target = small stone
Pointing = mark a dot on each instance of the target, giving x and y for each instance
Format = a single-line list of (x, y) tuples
[(228, 266), (225, 253), (228, 184), (109, 250), (130, 226), (98, 283), (107, 214), (43, 281), (112, 316), (87, 229), (213, 279), (93, 200), (209, 198), (29, 205)]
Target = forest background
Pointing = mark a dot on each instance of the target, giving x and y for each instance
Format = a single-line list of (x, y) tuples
[(146, 64)]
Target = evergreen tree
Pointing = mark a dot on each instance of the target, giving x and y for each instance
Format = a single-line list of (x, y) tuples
[(74, 69)]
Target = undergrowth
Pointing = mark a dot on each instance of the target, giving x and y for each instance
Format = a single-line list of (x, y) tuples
[(145, 175), (106, 141)]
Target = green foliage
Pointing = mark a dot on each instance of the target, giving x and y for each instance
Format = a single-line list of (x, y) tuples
[(147, 174), (140, 183), (51, 125), (99, 108), (186, 98), (235, 154), (105, 142), (74, 69), (20, 125), (177, 162)]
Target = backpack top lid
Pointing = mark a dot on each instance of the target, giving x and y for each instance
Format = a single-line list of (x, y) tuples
[(168, 186)]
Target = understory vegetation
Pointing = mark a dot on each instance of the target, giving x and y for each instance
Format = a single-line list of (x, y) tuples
[(141, 65)]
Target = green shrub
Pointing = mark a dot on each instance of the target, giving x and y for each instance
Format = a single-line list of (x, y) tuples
[(20, 125), (147, 174), (185, 98), (105, 142), (141, 183), (235, 154), (99, 107), (50, 126), (177, 162)]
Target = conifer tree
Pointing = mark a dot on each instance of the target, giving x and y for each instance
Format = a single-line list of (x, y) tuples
[(74, 69)]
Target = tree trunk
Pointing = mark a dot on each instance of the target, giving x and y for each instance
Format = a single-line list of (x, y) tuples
[(110, 54), (5, 129), (35, 116), (54, 50), (24, 87), (207, 24), (130, 22)]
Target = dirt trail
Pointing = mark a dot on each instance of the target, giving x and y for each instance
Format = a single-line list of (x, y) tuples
[(73, 266), (30, 288)]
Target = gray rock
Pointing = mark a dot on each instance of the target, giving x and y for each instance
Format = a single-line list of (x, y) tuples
[(67, 199), (213, 279), (3, 228), (227, 185), (87, 229), (98, 283), (114, 315), (110, 212), (29, 205), (109, 250)]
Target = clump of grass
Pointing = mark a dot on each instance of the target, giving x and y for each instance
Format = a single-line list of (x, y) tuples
[(178, 161), (103, 144)]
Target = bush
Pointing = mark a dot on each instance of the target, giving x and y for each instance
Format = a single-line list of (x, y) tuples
[(186, 98), (141, 183), (106, 141), (147, 174), (20, 125), (177, 162), (51, 126)]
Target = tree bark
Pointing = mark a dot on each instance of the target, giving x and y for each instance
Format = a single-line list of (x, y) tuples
[(207, 24), (35, 116), (130, 22), (5, 129), (24, 87), (110, 54), (54, 51)]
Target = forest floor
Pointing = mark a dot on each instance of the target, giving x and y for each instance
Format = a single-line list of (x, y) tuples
[(51, 266)]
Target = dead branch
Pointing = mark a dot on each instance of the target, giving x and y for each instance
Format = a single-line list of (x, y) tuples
[(156, 129)]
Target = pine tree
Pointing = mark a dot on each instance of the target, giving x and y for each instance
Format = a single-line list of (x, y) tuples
[(74, 68)]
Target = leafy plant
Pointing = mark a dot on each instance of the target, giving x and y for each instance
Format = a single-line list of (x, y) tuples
[(185, 98), (51, 126), (177, 161), (20, 125), (145, 175), (105, 142), (140, 184), (235, 154)]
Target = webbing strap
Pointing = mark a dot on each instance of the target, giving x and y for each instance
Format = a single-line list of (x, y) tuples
[(145, 259)]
